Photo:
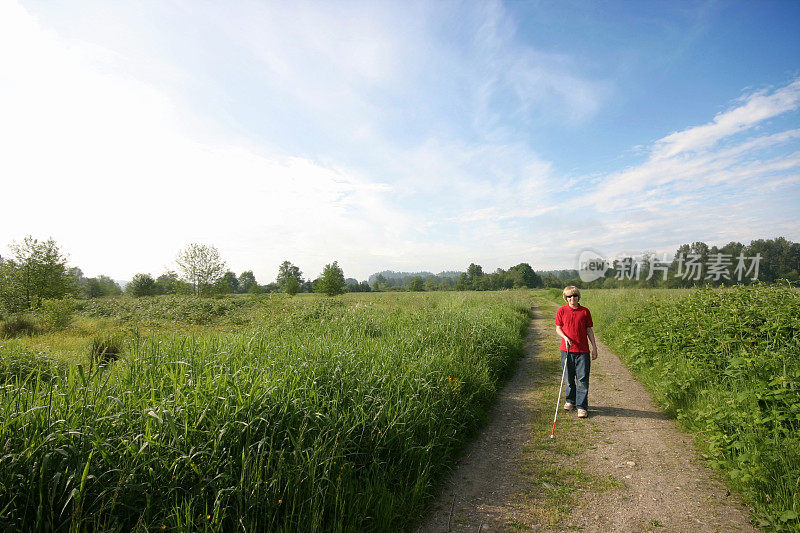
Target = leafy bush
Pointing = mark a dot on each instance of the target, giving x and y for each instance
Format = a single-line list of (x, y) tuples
[(57, 314), (141, 285), (18, 324), (174, 309)]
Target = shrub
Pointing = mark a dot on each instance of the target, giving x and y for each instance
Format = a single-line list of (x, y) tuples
[(18, 324), (57, 314), (142, 285), (105, 349)]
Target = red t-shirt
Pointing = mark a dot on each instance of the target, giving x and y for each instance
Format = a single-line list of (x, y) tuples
[(574, 323)]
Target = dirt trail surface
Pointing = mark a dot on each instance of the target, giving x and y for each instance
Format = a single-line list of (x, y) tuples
[(634, 469)]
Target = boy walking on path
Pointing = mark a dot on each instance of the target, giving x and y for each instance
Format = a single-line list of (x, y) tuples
[(574, 326)]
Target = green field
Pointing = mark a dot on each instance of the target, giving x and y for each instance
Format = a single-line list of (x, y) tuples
[(245, 413), (342, 414)]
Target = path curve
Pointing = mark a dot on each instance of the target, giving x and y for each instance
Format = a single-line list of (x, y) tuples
[(659, 481)]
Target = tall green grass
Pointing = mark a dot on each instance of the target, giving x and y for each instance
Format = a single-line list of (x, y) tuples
[(325, 415), (727, 363)]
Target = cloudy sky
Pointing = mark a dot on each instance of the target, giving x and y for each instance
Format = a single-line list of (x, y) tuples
[(395, 135)]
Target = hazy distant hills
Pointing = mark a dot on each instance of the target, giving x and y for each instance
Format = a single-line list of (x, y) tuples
[(392, 275)]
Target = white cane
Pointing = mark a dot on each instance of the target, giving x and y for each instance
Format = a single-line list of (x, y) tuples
[(558, 402)]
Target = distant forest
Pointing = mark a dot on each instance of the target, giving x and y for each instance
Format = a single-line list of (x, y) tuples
[(521, 275), (697, 264)]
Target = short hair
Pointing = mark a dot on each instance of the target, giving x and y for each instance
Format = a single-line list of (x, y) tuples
[(570, 290)]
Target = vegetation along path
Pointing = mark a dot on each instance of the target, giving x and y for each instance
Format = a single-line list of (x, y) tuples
[(628, 467)]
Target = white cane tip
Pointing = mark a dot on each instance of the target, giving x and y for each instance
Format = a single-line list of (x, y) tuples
[(551, 436)]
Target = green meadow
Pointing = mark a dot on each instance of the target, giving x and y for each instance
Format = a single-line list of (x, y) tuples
[(248, 413), (342, 414)]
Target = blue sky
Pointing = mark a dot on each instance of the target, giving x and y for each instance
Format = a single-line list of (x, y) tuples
[(396, 135)]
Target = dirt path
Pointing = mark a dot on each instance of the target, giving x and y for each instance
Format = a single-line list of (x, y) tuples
[(626, 468)]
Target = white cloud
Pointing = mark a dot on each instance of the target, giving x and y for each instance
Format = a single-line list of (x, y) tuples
[(755, 109), (694, 159), (111, 159), (379, 135), (103, 164), (540, 84), (710, 183)]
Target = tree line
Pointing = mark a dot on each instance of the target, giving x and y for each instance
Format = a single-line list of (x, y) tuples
[(37, 271), (204, 274), (696, 264)]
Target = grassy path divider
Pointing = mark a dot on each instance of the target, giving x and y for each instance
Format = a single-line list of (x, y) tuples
[(564, 480), (560, 480)]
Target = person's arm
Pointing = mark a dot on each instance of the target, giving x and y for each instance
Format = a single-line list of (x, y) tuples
[(561, 334), (590, 334)]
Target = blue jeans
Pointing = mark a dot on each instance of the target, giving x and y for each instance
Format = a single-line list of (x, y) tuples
[(578, 366)]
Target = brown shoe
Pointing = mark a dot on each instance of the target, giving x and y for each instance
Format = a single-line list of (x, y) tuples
[(583, 413), (569, 406)]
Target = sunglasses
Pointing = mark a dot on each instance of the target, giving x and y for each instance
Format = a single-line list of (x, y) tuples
[(572, 296)]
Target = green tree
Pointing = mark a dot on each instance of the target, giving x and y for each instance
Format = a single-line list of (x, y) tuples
[(269, 288), (247, 280), (780, 258), (201, 266), (100, 287), (110, 287), (416, 285), (524, 276), (380, 283), (93, 289), (142, 285), (463, 283), (228, 283), (170, 283), (286, 271), (474, 272), (36, 270), (292, 286), (475, 279), (332, 280), (255, 288), (733, 248), (497, 280)]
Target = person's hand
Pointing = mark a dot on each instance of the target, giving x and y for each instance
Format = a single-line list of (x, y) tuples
[(594, 353), (568, 343)]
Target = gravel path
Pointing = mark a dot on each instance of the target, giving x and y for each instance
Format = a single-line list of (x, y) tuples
[(634, 469)]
